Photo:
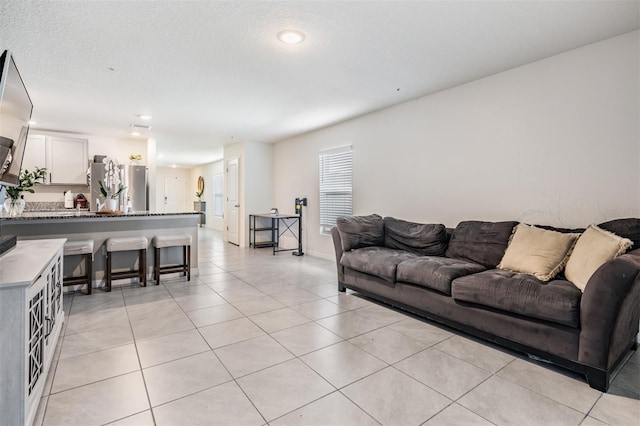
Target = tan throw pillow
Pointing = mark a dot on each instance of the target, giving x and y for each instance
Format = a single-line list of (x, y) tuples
[(537, 251), (594, 247)]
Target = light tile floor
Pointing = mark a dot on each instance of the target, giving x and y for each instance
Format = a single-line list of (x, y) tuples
[(259, 339)]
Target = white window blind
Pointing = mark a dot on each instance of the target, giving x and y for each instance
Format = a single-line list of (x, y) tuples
[(218, 192), (335, 186)]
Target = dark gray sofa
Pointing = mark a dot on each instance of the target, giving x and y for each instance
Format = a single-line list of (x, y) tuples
[(450, 276)]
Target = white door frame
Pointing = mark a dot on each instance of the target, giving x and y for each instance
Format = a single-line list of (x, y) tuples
[(233, 208)]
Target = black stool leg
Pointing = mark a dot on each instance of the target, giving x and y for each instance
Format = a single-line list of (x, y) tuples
[(156, 265), (87, 258), (109, 254), (187, 261), (143, 266)]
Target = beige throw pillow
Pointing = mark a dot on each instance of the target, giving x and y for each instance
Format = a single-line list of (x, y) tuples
[(537, 251), (594, 247)]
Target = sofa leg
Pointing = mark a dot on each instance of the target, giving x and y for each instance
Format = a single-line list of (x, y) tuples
[(597, 379), (341, 287)]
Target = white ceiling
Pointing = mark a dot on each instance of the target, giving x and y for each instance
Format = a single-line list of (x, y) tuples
[(213, 72)]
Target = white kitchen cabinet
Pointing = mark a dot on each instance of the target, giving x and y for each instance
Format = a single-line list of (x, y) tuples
[(35, 153), (68, 164), (31, 318), (64, 158)]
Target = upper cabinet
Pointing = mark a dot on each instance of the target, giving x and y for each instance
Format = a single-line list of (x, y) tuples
[(68, 163), (64, 158), (35, 153)]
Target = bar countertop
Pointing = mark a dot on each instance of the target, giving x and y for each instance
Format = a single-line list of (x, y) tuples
[(86, 215)]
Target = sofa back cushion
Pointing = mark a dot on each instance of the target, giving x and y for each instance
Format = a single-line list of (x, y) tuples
[(480, 242), (418, 238), (361, 231), (625, 228)]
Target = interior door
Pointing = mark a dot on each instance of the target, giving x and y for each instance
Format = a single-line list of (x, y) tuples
[(233, 202), (175, 194)]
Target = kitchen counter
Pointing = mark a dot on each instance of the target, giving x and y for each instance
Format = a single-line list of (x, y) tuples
[(83, 214), (76, 226)]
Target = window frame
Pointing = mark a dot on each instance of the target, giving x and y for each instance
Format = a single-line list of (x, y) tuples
[(335, 186)]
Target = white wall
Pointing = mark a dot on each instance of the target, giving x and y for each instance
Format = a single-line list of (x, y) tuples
[(255, 176), (207, 171), (555, 142), (258, 174)]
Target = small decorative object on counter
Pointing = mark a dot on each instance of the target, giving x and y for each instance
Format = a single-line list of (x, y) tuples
[(112, 187), (68, 200), (14, 203)]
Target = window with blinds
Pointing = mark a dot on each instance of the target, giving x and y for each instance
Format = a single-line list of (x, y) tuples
[(335, 186)]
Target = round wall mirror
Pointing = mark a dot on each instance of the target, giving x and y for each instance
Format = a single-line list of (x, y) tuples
[(200, 184)]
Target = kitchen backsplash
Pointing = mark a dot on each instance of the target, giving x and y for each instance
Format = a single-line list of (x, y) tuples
[(34, 206)]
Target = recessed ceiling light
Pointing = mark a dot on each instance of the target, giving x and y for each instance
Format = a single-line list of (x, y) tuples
[(135, 133), (145, 117), (31, 122), (290, 36)]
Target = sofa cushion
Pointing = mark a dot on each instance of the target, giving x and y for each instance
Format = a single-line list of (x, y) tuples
[(625, 228), (480, 242), (360, 231), (418, 238), (379, 261), (556, 301), (435, 272), (594, 247), (537, 251)]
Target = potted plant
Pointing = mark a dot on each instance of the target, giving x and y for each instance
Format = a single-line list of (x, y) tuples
[(112, 187), (135, 158), (13, 203)]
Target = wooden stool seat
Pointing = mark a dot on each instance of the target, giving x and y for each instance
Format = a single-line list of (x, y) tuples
[(80, 248), (121, 244), (164, 241)]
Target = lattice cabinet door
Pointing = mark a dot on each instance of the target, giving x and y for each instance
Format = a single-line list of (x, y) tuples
[(53, 297), (36, 331)]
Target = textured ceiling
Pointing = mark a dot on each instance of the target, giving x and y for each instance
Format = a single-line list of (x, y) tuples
[(214, 72)]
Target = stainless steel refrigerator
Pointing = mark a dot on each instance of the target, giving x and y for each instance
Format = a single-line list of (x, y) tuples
[(137, 193), (133, 177)]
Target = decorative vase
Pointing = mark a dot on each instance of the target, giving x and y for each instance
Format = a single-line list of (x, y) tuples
[(14, 207), (111, 204)]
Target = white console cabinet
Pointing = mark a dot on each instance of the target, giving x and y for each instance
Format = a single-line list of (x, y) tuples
[(31, 318)]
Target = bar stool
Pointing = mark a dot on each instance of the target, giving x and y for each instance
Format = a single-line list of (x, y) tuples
[(85, 249), (127, 244), (164, 241)]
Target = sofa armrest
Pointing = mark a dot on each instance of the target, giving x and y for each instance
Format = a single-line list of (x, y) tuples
[(337, 245), (610, 311)]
